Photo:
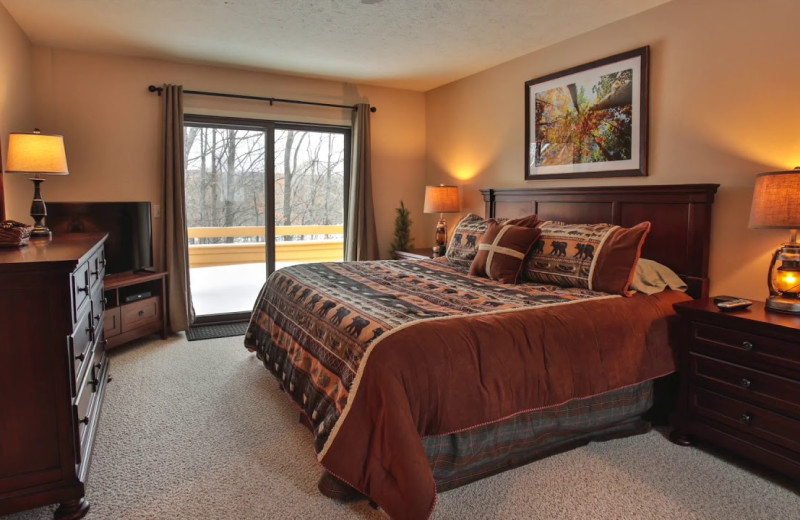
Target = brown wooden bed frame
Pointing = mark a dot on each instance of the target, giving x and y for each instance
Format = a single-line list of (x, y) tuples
[(680, 215)]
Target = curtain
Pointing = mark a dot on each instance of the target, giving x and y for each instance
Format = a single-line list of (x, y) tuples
[(361, 238), (2, 195), (176, 245)]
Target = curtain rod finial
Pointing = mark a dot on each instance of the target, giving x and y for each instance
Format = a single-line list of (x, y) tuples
[(153, 88), (373, 109)]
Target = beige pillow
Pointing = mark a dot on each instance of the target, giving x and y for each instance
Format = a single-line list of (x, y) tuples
[(651, 277)]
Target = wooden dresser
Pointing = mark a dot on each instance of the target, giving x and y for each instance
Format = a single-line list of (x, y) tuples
[(54, 370), (740, 377)]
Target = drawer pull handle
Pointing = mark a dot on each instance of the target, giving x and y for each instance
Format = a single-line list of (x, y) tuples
[(141, 313), (746, 418), (83, 289), (745, 383), (85, 420), (747, 345), (95, 273), (96, 317), (81, 356)]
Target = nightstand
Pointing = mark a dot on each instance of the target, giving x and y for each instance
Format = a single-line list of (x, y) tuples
[(421, 253), (740, 383)]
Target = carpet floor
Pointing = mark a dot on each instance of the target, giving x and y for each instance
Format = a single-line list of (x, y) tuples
[(201, 430)]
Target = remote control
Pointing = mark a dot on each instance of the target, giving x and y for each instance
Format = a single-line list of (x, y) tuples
[(734, 304)]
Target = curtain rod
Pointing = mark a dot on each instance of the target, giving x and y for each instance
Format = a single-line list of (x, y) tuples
[(153, 88)]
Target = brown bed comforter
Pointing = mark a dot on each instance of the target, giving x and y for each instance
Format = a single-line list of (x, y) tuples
[(381, 354)]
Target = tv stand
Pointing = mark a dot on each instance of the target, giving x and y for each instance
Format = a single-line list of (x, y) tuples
[(136, 306)]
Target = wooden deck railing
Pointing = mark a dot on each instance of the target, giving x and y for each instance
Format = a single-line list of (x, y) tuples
[(317, 250)]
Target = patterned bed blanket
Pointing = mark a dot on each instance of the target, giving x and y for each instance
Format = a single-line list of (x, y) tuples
[(380, 354)]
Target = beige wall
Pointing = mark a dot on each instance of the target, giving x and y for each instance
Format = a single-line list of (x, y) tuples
[(111, 126), (724, 106), (15, 87)]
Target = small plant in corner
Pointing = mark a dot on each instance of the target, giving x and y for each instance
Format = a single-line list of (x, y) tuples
[(402, 230)]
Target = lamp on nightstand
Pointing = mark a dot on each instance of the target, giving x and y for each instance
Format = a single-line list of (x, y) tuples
[(441, 199), (37, 154), (776, 204)]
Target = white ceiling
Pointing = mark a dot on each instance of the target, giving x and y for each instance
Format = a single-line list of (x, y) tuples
[(414, 44)]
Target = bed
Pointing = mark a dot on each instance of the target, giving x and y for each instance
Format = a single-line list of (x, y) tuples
[(416, 377)]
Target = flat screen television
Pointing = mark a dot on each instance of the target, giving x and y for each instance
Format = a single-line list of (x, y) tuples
[(129, 246)]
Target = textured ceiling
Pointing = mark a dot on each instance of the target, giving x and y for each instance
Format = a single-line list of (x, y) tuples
[(415, 44)]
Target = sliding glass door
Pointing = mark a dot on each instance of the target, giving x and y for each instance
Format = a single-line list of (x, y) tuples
[(259, 196), (310, 188)]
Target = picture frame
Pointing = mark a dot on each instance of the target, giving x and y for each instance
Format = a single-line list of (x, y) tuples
[(590, 120)]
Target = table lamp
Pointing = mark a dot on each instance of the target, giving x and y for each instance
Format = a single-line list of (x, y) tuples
[(441, 199), (37, 154), (776, 204)]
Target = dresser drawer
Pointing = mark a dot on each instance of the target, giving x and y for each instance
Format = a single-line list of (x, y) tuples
[(140, 313), (82, 403), (79, 345), (98, 305), (769, 390), (746, 348), (97, 267), (747, 417), (81, 286), (87, 403)]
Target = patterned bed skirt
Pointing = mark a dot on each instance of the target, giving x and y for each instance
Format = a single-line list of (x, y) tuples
[(460, 458), (464, 457)]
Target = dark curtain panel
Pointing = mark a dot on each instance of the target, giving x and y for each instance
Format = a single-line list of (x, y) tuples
[(361, 238), (2, 195), (176, 245)]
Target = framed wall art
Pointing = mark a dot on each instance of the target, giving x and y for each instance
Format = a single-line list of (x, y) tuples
[(590, 120)]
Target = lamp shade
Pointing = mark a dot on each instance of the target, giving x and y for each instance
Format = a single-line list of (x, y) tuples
[(36, 153), (441, 199), (776, 200)]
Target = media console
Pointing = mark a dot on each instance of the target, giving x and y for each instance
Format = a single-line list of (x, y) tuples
[(135, 306)]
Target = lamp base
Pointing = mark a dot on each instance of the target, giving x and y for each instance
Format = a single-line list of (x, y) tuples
[(39, 212), (783, 304), (41, 233)]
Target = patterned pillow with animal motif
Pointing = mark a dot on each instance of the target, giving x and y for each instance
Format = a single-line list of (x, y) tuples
[(599, 257), (464, 240)]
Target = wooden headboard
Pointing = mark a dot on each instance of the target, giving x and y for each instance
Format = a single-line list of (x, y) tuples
[(680, 215)]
